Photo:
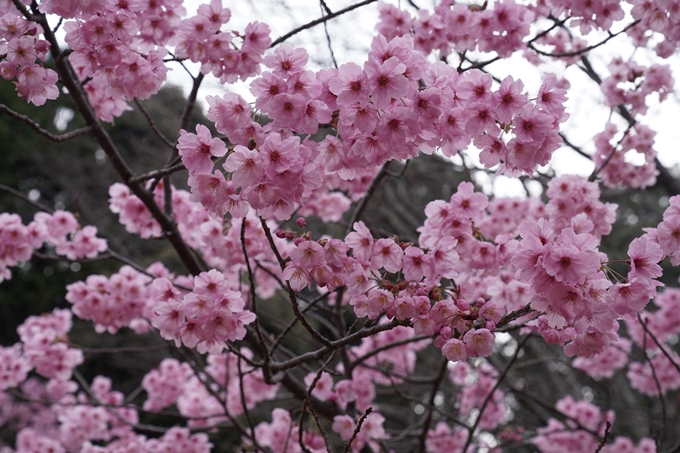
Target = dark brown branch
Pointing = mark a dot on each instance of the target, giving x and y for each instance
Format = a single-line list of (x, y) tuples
[(385, 347), (348, 445), (120, 350), (428, 418), (152, 124), (319, 21), (35, 204), (556, 23), (361, 207), (595, 172), (665, 178), (333, 345), (514, 315), (253, 302), (191, 102), (585, 49), (658, 344), (490, 394), (158, 173), (607, 432), (566, 141), (45, 133)]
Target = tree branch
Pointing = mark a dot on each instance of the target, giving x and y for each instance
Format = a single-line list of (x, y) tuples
[(319, 21), (45, 133)]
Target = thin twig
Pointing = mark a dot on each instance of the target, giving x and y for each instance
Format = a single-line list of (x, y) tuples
[(585, 49), (658, 442), (348, 445), (253, 301), (574, 147), (656, 341), (595, 172), (356, 336), (45, 133), (35, 204), (433, 393), (496, 385), (243, 399), (385, 347), (359, 210), (325, 29), (514, 315), (556, 23), (152, 124), (319, 21), (607, 432), (294, 321), (156, 174)]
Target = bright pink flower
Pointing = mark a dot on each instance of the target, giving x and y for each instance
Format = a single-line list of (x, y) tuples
[(386, 81), (532, 125), (297, 276), (644, 258), (479, 342), (455, 350), (280, 155), (415, 264), (509, 99), (308, 254), (245, 165), (466, 202), (198, 149), (286, 60), (287, 110), (387, 254), (570, 265), (361, 242), (350, 86)]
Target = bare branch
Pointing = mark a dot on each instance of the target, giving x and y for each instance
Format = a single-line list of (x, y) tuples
[(152, 123), (253, 302), (607, 432), (585, 49), (433, 392), (333, 345), (156, 174), (35, 204), (361, 207), (490, 394), (319, 21), (348, 445), (656, 341), (45, 133)]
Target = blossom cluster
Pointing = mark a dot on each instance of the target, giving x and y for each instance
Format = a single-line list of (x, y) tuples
[(45, 347), (630, 84), (577, 433), (393, 106), (120, 49), (632, 163), (667, 234), (61, 230), (204, 318), (21, 46), (113, 302)]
